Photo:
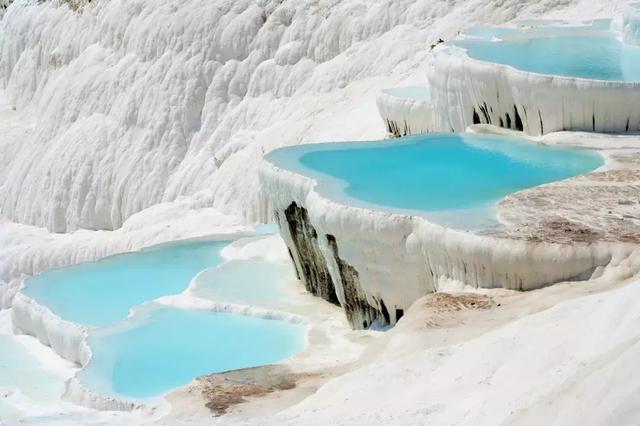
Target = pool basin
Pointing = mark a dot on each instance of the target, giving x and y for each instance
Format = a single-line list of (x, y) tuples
[(162, 348), (103, 292), (451, 179)]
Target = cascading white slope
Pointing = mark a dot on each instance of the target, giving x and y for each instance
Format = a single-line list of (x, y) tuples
[(131, 103), (631, 23), (140, 102)]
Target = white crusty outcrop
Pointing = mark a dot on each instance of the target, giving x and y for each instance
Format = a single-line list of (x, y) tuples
[(404, 116), (466, 91), (66, 338)]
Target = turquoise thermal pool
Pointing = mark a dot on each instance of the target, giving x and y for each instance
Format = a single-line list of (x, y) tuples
[(103, 292), (432, 173), (23, 379), (419, 93), (589, 51), (138, 358)]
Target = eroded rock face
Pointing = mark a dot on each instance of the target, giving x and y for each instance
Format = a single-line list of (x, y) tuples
[(309, 262), (312, 266), (359, 312)]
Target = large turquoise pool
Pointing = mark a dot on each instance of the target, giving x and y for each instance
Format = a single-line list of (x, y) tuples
[(433, 173), (589, 51), (161, 348), (103, 292)]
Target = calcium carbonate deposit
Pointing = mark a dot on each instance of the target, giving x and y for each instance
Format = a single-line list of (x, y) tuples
[(156, 269)]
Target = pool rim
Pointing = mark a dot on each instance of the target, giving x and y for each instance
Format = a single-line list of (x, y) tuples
[(350, 202), (463, 53)]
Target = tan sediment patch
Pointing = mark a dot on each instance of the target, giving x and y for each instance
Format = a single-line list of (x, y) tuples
[(445, 309), (452, 302), (599, 206), (221, 391)]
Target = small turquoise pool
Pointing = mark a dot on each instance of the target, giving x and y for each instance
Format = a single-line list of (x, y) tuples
[(161, 348), (432, 173), (252, 282), (419, 93), (22, 372), (590, 51), (103, 292)]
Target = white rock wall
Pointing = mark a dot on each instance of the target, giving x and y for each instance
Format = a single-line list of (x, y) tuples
[(404, 116), (466, 91), (64, 337)]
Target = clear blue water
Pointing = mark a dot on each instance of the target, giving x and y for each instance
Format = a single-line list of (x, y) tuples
[(253, 282), (411, 92), (103, 292), (162, 348), (590, 52), (436, 172), (20, 370)]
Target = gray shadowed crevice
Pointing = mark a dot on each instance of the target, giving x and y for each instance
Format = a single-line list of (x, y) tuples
[(311, 265)]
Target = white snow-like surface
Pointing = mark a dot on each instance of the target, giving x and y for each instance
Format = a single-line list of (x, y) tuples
[(572, 364), (270, 248)]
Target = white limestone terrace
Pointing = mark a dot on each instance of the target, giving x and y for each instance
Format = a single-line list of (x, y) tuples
[(375, 264), (519, 79), (285, 85), (406, 110), (121, 113)]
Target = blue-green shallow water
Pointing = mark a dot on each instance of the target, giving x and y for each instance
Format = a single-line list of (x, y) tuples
[(103, 292), (162, 348), (590, 52), (431, 173)]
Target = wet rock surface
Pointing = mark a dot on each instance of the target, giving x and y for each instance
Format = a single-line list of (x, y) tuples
[(310, 264), (359, 312)]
